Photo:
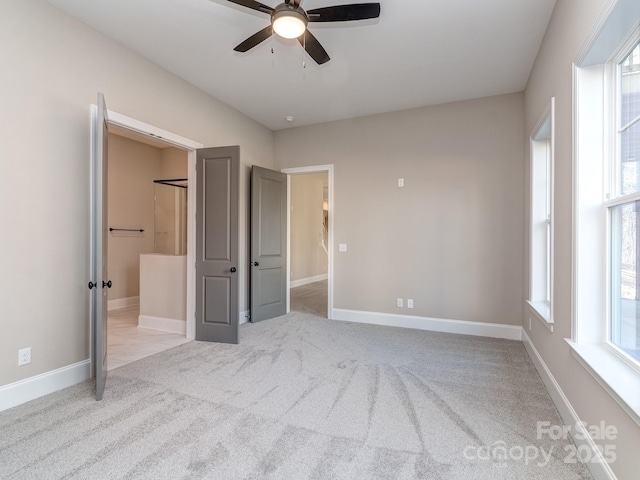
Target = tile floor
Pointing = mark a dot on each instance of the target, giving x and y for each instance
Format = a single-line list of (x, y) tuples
[(127, 342)]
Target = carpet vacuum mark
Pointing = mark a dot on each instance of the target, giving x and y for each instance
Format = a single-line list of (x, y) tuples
[(301, 397)]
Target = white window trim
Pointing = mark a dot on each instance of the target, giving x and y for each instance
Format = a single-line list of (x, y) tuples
[(615, 29), (542, 310), (623, 386)]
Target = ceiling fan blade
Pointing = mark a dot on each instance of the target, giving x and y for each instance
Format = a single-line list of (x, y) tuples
[(345, 13), (253, 5), (255, 39), (313, 47)]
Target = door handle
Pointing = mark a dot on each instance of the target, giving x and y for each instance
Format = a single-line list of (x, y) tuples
[(91, 285), (233, 269), (107, 284), (255, 264)]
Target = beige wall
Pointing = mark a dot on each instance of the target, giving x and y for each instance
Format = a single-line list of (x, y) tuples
[(308, 258), (50, 76), (552, 76), (132, 168), (173, 163), (451, 238)]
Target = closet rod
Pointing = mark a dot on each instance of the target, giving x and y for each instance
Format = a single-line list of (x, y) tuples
[(111, 229), (171, 182)]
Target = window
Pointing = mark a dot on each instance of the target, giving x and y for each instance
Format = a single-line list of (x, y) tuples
[(624, 211), (606, 241), (541, 226)]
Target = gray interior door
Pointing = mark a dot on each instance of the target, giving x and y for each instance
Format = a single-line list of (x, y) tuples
[(268, 243), (99, 283), (217, 192)]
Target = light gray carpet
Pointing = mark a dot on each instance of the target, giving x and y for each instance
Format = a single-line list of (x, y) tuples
[(300, 397)]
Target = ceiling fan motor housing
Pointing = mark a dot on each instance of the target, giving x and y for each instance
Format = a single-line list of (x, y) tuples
[(287, 12)]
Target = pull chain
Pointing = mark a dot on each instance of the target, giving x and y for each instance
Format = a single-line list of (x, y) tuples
[(304, 50)]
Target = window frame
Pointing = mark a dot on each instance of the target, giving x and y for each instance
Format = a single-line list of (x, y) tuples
[(594, 143), (541, 266), (613, 176)]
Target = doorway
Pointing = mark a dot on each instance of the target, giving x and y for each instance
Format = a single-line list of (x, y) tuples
[(206, 173), (123, 125), (101, 119), (310, 240), (147, 213)]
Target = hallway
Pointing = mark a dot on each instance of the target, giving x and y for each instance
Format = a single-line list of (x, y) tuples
[(311, 298)]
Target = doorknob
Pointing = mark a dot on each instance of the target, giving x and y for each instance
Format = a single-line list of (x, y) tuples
[(255, 264), (107, 284), (91, 285), (233, 270)]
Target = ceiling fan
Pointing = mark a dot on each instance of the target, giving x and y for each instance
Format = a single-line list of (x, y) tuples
[(289, 20)]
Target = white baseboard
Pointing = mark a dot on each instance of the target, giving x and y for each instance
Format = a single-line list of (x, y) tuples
[(40, 385), (308, 280), (244, 316), (170, 325), (122, 302), (495, 330), (599, 468)]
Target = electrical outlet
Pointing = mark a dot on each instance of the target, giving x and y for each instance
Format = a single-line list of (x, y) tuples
[(410, 303), (401, 182), (399, 303), (24, 356)]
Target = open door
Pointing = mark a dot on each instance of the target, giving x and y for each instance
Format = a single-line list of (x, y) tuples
[(99, 283), (217, 191), (268, 243)]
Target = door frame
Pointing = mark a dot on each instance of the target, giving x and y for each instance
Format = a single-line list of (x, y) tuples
[(328, 169), (155, 133)]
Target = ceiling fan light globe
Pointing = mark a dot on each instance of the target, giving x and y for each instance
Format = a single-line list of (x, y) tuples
[(289, 24)]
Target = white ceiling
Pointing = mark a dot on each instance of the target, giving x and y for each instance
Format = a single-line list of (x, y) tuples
[(418, 53)]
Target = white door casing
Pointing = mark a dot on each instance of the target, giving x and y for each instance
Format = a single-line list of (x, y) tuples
[(307, 170)]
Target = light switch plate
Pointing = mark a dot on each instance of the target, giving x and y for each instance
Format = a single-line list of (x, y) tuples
[(401, 182), (342, 247)]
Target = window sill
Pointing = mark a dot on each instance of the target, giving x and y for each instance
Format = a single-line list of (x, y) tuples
[(542, 311), (620, 380)]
